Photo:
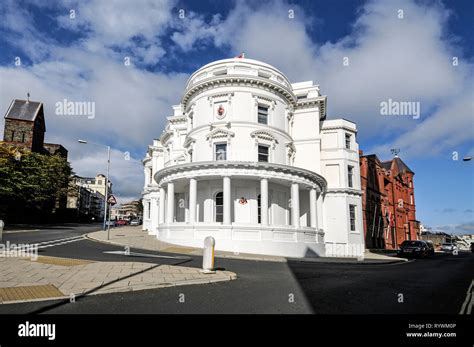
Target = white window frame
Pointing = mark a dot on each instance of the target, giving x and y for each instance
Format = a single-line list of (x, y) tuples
[(215, 207), (258, 152), (346, 137), (215, 144), (265, 102), (350, 176), (267, 107), (350, 218)]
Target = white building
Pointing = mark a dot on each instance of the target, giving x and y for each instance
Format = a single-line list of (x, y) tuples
[(250, 159)]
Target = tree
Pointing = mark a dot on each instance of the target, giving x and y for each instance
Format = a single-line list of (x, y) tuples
[(30, 183)]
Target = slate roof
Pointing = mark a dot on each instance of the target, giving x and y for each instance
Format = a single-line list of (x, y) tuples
[(24, 110), (387, 165), (401, 165)]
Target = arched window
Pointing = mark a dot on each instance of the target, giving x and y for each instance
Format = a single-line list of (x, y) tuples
[(219, 207), (259, 209)]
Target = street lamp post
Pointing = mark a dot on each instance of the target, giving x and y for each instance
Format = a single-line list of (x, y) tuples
[(106, 183)]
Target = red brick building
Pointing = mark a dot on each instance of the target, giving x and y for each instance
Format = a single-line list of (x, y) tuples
[(388, 202)]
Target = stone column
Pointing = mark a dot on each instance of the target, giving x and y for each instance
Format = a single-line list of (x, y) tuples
[(312, 208), (227, 200), (192, 200), (152, 213), (161, 216), (170, 204), (264, 201), (295, 205), (319, 205)]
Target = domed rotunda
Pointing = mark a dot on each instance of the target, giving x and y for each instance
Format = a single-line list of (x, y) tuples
[(250, 159)]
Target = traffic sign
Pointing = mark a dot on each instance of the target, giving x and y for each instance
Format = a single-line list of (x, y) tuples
[(111, 200)]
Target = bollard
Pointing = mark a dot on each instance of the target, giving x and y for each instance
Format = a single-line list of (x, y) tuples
[(1, 229), (208, 256)]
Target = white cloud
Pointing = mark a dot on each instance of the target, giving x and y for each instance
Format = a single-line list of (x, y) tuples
[(407, 59), (193, 29), (131, 104), (457, 229), (132, 25)]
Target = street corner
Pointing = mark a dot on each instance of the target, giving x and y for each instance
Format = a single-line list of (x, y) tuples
[(51, 278)]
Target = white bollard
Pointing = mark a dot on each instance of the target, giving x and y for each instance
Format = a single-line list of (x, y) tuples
[(208, 256), (1, 229)]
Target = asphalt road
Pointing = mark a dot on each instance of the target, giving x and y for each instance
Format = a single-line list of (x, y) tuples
[(436, 285)]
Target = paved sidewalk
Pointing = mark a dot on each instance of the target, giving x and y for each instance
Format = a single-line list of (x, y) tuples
[(23, 279), (134, 237)]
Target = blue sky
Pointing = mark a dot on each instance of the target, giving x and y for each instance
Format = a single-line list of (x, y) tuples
[(405, 59)]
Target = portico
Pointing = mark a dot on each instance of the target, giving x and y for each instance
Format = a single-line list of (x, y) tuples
[(256, 194), (238, 201)]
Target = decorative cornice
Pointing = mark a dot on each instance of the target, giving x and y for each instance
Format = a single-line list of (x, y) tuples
[(291, 148), (350, 191), (239, 80), (219, 133), (253, 125), (259, 98), (165, 137), (188, 141), (337, 127), (289, 111), (228, 96), (319, 102), (152, 148), (177, 119), (255, 169), (263, 135)]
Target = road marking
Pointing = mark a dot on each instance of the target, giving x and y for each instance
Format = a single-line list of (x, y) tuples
[(135, 254), (466, 307), (59, 242), (20, 231)]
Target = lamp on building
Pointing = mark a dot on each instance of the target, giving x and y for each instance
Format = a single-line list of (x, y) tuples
[(106, 182)]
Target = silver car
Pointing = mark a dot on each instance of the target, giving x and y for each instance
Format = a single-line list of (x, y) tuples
[(449, 247)]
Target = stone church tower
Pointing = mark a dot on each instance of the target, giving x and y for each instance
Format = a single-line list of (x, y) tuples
[(25, 125)]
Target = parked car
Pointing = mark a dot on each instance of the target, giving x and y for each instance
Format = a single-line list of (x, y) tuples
[(135, 222), (431, 246), (121, 222), (449, 247), (416, 248)]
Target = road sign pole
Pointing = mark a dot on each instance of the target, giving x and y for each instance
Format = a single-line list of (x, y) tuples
[(111, 201), (107, 188), (108, 224)]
